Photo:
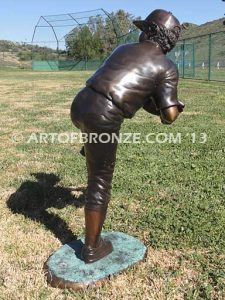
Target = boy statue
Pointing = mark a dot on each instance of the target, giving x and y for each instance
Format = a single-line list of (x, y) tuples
[(135, 75)]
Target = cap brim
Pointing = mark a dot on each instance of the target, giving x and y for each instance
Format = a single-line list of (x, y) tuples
[(141, 24)]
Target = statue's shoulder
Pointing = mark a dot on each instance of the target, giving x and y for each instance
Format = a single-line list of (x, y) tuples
[(169, 66), (170, 63), (127, 46), (125, 51)]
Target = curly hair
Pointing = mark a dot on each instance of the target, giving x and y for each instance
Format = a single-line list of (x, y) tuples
[(162, 36)]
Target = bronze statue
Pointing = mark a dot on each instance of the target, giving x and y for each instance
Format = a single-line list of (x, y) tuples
[(135, 75)]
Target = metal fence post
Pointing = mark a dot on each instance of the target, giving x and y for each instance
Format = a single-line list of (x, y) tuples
[(193, 59), (85, 63), (210, 53), (183, 57)]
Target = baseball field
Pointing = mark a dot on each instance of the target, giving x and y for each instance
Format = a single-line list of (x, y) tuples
[(168, 191)]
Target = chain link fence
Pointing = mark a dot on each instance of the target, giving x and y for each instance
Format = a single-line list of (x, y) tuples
[(201, 57), (63, 63)]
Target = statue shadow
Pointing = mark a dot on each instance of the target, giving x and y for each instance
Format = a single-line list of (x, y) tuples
[(33, 198)]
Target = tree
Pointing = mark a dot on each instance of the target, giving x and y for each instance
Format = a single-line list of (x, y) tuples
[(80, 43), (100, 35)]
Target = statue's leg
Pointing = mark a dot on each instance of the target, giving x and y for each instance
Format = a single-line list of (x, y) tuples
[(95, 247), (92, 113), (100, 158)]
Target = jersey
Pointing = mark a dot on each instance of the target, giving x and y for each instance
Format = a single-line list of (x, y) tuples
[(134, 74)]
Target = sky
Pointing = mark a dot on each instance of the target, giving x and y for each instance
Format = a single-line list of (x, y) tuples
[(18, 17)]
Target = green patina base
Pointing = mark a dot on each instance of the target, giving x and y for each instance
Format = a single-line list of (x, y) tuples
[(65, 269)]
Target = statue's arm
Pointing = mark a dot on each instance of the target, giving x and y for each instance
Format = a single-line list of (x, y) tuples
[(165, 96), (167, 115)]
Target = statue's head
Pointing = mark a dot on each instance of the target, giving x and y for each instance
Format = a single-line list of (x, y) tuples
[(160, 27)]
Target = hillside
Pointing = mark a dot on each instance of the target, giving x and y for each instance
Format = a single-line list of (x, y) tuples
[(14, 54), (194, 30), (10, 59), (197, 39)]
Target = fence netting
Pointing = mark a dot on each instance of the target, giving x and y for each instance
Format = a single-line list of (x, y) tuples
[(201, 57)]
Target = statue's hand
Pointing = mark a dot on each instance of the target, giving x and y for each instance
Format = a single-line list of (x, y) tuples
[(169, 115)]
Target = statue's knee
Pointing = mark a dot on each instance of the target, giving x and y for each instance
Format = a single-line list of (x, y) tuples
[(96, 201)]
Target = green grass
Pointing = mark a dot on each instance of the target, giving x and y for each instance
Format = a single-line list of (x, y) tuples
[(169, 195), (199, 73)]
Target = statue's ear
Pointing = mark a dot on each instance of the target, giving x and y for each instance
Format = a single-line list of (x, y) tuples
[(153, 27)]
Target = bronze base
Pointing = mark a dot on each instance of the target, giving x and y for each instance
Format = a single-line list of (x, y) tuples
[(65, 268)]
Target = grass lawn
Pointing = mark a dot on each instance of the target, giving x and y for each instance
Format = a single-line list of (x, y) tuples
[(169, 195)]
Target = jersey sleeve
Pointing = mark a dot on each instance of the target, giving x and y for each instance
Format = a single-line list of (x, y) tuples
[(165, 94)]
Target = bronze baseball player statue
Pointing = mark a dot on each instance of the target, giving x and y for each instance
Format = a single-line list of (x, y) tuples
[(135, 75)]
